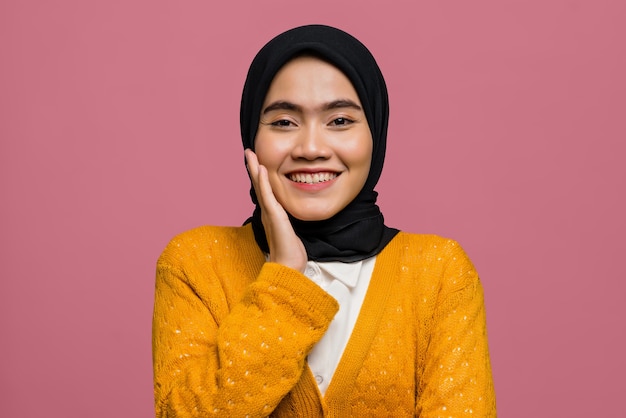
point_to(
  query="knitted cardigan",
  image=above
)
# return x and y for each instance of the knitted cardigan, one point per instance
(231, 333)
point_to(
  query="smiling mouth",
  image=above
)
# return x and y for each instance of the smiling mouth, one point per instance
(312, 178)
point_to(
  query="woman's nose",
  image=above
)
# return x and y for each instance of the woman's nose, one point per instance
(311, 144)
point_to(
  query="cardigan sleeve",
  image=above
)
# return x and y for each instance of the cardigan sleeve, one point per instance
(456, 378)
(242, 363)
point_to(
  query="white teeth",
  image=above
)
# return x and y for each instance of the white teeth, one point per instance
(312, 178)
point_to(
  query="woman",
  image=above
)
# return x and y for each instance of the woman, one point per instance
(314, 307)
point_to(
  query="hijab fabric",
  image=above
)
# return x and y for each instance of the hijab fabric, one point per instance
(358, 231)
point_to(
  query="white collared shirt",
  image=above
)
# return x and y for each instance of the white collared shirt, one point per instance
(347, 283)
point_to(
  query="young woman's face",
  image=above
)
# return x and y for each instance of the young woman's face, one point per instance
(314, 139)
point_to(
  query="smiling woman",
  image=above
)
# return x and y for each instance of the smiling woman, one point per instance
(314, 139)
(315, 307)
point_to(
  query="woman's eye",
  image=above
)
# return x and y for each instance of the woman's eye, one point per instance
(283, 123)
(341, 122)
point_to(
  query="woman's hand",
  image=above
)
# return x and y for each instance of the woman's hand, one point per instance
(285, 246)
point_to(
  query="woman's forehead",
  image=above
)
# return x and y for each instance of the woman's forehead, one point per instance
(309, 80)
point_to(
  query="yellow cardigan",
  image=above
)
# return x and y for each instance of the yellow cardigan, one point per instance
(231, 333)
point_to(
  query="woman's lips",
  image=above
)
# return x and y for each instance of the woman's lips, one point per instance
(312, 178)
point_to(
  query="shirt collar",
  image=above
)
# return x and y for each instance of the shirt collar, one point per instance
(346, 273)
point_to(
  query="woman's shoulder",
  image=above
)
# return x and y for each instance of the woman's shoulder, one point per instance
(427, 243)
(208, 233)
(205, 240)
(432, 249)
(441, 256)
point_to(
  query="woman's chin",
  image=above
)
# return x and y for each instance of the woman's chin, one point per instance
(312, 215)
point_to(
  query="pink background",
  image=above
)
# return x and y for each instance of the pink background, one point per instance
(119, 129)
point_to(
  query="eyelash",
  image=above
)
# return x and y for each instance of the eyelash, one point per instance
(345, 121)
(339, 122)
(282, 123)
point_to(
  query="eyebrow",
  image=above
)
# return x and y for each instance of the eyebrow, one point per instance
(335, 104)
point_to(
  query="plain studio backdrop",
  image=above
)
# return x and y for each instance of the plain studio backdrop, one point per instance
(119, 129)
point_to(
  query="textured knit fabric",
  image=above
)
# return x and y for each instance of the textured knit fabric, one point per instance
(231, 334)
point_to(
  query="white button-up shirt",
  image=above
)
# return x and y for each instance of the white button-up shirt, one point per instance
(347, 283)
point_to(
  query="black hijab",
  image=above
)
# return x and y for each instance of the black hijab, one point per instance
(358, 231)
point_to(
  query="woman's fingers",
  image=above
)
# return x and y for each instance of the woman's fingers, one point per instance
(252, 164)
(262, 187)
(269, 202)
(274, 216)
